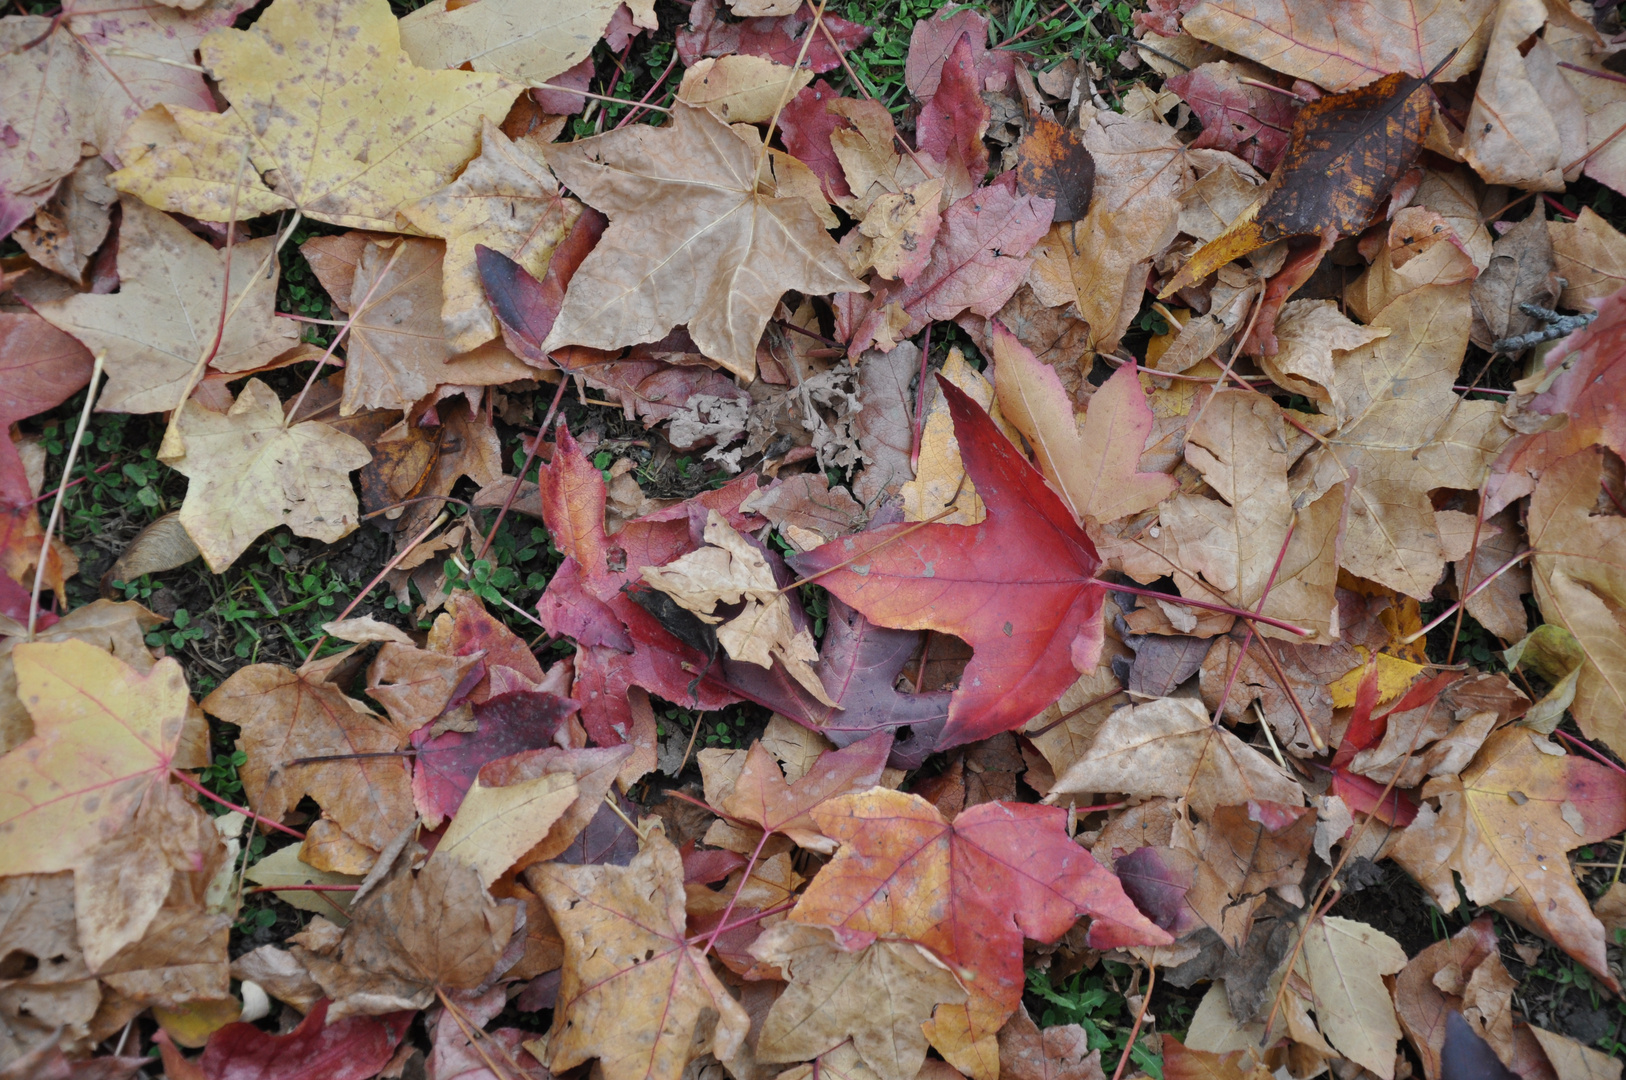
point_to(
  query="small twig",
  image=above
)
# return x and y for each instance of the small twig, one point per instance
(1226, 609)
(245, 811)
(1468, 572)
(745, 879)
(1270, 736)
(1247, 638)
(477, 1039)
(1273, 89)
(343, 330)
(1469, 595)
(633, 113)
(1613, 135)
(391, 565)
(323, 759)
(61, 492)
(609, 800)
(1140, 1016)
(1594, 72)
(600, 97)
(530, 456)
(1066, 716)
(463, 569)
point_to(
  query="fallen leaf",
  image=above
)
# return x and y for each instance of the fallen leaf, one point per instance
(448, 762)
(284, 867)
(1578, 586)
(976, 265)
(1590, 256)
(1521, 271)
(67, 231)
(495, 825)
(762, 796)
(1225, 550)
(79, 80)
(635, 994)
(806, 506)
(1500, 825)
(933, 40)
(507, 37)
(1463, 974)
(342, 129)
(1309, 335)
(1169, 748)
(1341, 47)
(884, 426)
(1053, 163)
(1408, 433)
(1094, 463)
(953, 121)
(1344, 962)
(1580, 382)
(1526, 123)
(902, 872)
(1030, 629)
(411, 935)
(724, 258)
(42, 367)
(898, 231)
(1571, 1058)
(879, 996)
(285, 716)
(592, 770)
(741, 89)
(353, 1048)
(778, 38)
(1247, 120)
(250, 472)
(165, 316)
(508, 201)
(1059, 1052)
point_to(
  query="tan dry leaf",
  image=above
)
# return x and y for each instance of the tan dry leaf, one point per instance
(878, 997)
(496, 825)
(1225, 549)
(1572, 1060)
(1408, 434)
(1574, 41)
(740, 89)
(898, 231)
(940, 480)
(690, 241)
(285, 716)
(1341, 46)
(76, 81)
(1058, 1052)
(284, 867)
(163, 319)
(729, 571)
(1463, 973)
(1580, 584)
(507, 200)
(634, 993)
(1308, 334)
(592, 771)
(1423, 249)
(1526, 122)
(1344, 962)
(884, 425)
(411, 934)
(1168, 747)
(1094, 463)
(869, 155)
(335, 121)
(515, 38)
(66, 232)
(250, 473)
(1500, 827)
(1590, 257)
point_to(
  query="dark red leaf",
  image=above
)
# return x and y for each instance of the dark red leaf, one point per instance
(525, 306)
(508, 723)
(354, 1048)
(805, 124)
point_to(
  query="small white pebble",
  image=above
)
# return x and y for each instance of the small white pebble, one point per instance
(256, 1005)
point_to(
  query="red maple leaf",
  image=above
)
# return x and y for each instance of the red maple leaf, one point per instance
(1019, 587)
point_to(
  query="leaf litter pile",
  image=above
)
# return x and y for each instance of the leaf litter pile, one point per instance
(1055, 475)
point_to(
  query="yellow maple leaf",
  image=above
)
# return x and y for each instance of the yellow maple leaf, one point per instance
(335, 122)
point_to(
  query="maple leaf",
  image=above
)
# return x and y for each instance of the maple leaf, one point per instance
(510, 37)
(968, 891)
(41, 368)
(164, 317)
(1527, 123)
(980, 258)
(508, 201)
(325, 104)
(1342, 46)
(1472, 982)
(285, 716)
(1168, 747)
(1250, 122)
(1582, 380)
(634, 991)
(1095, 464)
(251, 471)
(952, 123)
(1059, 1052)
(352, 1048)
(933, 40)
(1019, 587)
(1579, 586)
(495, 825)
(411, 934)
(1590, 256)
(740, 89)
(761, 795)
(878, 996)
(1407, 434)
(690, 241)
(1344, 963)
(448, 762)
(79, 78)
(1501, 846)
(1225, 550)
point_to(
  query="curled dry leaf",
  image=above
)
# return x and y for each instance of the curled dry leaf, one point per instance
(684, 199)
(251, 471)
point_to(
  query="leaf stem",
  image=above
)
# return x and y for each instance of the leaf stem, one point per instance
(1226, 609)
(301, 888)
(245, 811)
(1140, 1016)
(1573, 741)
(61, 493)
(1469, 595)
